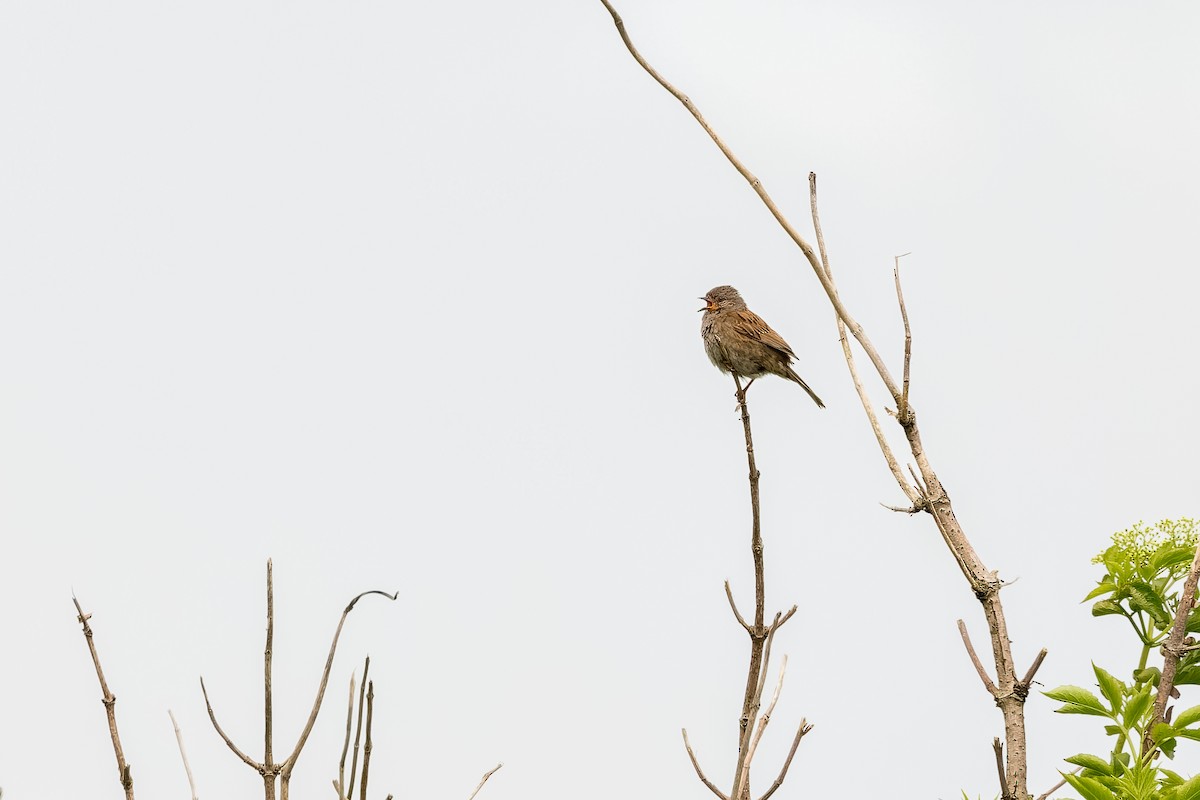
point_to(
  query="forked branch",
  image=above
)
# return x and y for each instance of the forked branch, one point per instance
(1172, 649)
(928, 494)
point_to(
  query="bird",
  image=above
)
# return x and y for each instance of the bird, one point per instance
(739, 341)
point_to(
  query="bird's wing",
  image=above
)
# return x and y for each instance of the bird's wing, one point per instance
(753, 326)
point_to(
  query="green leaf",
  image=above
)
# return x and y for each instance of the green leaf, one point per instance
(1142, 597)
(1113, 730)
(1090, 788)
(1078, 701)
(1188, 790)
(1170, 557)
(1170, 778)
(1113, 689)
(1162, 731)
(1094, 763)
(1137, 707)
(1187, 675)
(1187, 717)
(1104, 587)
(1189, 733)
(1104, 607)
(1168, 747)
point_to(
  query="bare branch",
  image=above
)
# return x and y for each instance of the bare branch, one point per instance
(733, 605)
(999, 750)
(229, 742)
(983, 676)
(369, 746)
(803, 729)
(699, 772)
(1058, 785)
(340, 783)
(1172, 649)
(902, 407)
(290, 764)
(268, 715)
(183, 754)
(765, 719)
(110, 702)
(482, 780)
(1027, 681)
(848, 354)
(362, 699)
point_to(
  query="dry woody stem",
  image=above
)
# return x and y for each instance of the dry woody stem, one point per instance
(761, 638)
(183, 755)
(928, 494)
(110, 702)
(268, 768)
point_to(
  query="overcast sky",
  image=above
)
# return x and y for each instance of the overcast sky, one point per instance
(403, 296)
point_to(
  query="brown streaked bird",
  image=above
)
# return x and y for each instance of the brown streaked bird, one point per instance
(737, 340)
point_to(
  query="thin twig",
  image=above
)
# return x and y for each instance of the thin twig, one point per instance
(803, 729)
(902, 408)
(699, 772)
(1171, 651)
(1027, 681)
(983, 676)
(290, 764)
(362, 700)
(765, 719)
(733, 605)
(484, 779)
(848, 354)
(183, 754)
(1058, 785)
(268, 715)
(340, 783)
(110, 701)
(368, 746)
(250, 762)
(999, 750)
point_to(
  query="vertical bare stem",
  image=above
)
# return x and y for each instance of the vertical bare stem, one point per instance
(902, 406)
(341, 779)
(362, 696)
(1172, 650)
(183, 754)
(267, 713)
(362, 794)
(110, 702)
(758, 632)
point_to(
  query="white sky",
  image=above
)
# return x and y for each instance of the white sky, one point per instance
(403, 296)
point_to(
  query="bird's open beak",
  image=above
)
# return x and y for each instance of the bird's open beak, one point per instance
(708, 305)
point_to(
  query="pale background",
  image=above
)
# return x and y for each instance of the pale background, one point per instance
(403, 296)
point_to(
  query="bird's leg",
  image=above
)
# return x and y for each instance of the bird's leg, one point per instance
(740, 394)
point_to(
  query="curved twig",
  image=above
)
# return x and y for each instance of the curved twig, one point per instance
(250, 762)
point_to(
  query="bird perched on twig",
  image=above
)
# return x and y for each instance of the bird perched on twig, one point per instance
(737, 340)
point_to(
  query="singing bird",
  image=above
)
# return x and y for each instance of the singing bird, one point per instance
(737, 340)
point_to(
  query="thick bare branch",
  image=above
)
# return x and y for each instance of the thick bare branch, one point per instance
(124, 775)
(482, 780)
(183, 754)
(1172, 649)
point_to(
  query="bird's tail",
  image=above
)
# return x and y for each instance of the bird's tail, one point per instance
(791, 373)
